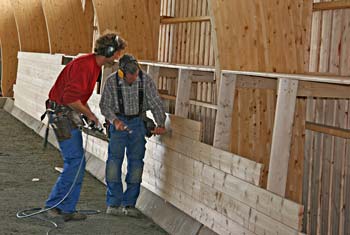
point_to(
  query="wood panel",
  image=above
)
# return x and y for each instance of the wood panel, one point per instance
(327, 156)
(68, 28)
(9, 48)
(136, 21)
(29, 13)
(267, 35)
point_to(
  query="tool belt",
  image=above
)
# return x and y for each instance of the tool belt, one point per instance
(62, 119)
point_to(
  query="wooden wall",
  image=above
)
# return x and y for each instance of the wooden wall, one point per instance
(189, 43)
(31, 26)
(137, 21)
(69, 29)
(9, 48)
(267, 36)
(327, 159)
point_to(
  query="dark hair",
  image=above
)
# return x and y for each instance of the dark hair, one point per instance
(128, 64)
(109, 40)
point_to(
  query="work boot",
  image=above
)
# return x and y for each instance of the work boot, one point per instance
(131, 211)
(75, 216)
(115, 210)
(54, 213)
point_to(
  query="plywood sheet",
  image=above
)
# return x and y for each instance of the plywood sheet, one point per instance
(137, 21)
(27, 14)
(67, 27)
(268, 35)
(9, 48)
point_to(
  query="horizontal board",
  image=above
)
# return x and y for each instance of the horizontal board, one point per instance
(230, 163)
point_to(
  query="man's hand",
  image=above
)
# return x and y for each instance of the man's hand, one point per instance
(119, 125)
(158, 131)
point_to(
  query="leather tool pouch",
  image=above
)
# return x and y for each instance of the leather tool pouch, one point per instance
(64, 121)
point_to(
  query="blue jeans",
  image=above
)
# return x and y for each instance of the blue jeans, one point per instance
(134, 144)
(72, 153)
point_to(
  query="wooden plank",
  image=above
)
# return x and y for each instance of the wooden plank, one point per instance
(341, 120)
(330, 130)
(296, 160)
(168, 72)
(196, 187)
(186, 127)
(316, 89)
(308, 162)
(192, 102)
(222, 134)
(195, 209)
(331, 5)
(154, 73)
(202, 76)
(176, 20)
(281, 137)
(183, 93)
(301, 77)
(327, 169)
(316, 169)
(230, 163)
(44, 58)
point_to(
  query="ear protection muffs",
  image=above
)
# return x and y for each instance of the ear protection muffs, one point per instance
(111, 49)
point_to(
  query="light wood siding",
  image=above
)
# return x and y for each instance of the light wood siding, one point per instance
(326, 189)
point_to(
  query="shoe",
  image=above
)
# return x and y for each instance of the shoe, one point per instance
(75, 216)
(115, 210)
(54, 213)
(131, 211)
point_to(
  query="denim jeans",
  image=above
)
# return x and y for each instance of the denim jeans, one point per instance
(134, 144)
(72, 153)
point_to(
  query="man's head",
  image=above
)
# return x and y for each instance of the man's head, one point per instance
(128, 68)
(110, 45)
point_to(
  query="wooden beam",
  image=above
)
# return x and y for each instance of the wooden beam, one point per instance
(345, 80)
(323, 90)
(193, 102)
(153, 71)
(183, 93)
(329, 130)
(282, 135)
(222, 134)
(323, 6)
(177, 20)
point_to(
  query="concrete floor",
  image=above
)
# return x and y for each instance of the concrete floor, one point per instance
(22, 158)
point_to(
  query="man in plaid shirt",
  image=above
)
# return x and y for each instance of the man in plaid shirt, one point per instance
(120, 104)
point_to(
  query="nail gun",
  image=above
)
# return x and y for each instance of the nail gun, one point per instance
(90, 128)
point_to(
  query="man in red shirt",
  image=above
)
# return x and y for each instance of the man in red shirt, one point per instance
(68, 97)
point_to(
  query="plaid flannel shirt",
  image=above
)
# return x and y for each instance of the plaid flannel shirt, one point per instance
(109, 100)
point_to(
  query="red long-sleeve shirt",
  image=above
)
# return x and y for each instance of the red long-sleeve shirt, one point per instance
(76, 81)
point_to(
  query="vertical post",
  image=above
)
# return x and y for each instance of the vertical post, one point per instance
(153, 71)
(282, 135)
(222, 134)
(183, 93)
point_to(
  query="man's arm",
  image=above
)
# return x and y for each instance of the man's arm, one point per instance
(84, 109)
(107, 104)
(155, 103)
